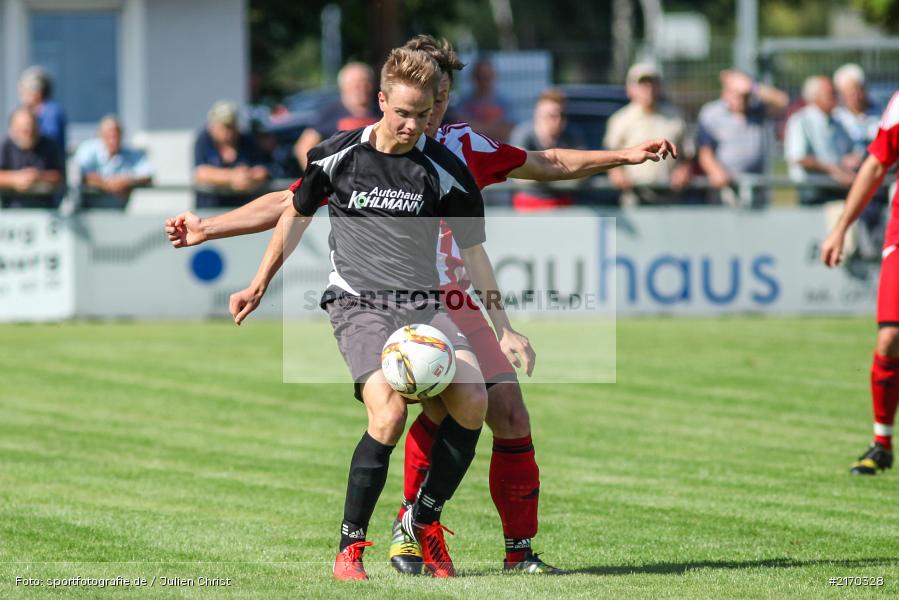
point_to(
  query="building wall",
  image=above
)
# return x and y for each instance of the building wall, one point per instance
(175, 57)
(196, 54)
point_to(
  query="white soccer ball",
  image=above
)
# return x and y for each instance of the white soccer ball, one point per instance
(418, 361)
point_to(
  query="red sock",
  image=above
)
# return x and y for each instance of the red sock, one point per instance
(515, 488)
(885, 396)
(418, 457)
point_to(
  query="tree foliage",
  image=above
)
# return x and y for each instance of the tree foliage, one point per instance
(285, 37)
(881, 12)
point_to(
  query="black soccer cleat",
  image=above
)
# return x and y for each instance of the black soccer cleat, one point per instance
(533, 565)
(405, 552)
(877, 458)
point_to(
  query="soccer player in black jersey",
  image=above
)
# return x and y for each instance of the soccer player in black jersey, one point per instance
(403, 183)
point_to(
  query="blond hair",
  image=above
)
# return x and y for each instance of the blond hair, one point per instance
(438, 49)
(410, 67)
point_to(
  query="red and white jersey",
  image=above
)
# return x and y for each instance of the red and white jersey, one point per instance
(885, 148)
(490, 162)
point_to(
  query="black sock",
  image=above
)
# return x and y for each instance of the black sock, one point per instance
(451, 455)
(368, 473)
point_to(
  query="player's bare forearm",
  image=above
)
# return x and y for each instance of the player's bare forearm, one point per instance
(477, 263)
(557, 164)
(285, 238)
(867, 182)
(261, 214)
(516, 347)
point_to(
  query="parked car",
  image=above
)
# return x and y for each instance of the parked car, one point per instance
(590, 106)
(285, 124)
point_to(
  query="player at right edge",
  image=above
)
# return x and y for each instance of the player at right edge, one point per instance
(883, 152)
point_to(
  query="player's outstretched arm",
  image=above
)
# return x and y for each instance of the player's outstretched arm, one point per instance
(559, 163)
(866, 183)
(287, 234)
(188, 229)
(515, 346)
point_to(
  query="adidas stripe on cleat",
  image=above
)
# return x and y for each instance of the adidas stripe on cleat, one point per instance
(435, 554)
(405, 553)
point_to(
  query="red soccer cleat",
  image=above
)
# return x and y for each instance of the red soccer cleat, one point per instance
(434, 551)
(348, 564)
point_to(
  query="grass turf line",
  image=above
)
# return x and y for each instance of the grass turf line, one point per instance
(715, 467)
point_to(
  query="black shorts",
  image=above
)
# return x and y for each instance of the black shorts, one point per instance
(362, 326)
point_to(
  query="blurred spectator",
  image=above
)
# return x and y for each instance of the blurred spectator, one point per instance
(31, 169)
(227, 159)
(816, 142)
(731, 138)
(855, 113)
(486, 111)
(110, 171)
(356, 82)
(646, 117)
(548, 129)
(35, 89)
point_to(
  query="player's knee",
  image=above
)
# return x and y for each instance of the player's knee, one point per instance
(478, 399)
(507, 415)
(474, 408)
(388, 422)
(435, 411)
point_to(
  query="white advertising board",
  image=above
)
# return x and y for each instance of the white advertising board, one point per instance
(679, 261)
(703, 262)
(127, 268)
(36, 267)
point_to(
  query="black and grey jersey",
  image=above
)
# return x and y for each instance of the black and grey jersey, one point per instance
(403, 197)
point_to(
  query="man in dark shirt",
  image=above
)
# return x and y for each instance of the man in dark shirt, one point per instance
(227, 160)
(354, 109)
(31, 170)
(388, 186)
(548, 129)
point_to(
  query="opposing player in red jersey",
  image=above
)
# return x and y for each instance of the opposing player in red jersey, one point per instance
(883, 152)
(514, 475)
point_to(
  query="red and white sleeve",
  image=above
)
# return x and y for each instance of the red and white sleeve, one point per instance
(488, 160)
(885, 146)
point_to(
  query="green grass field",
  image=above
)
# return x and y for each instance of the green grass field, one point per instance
(715, 468)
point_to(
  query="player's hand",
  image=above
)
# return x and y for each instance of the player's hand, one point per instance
(518, 350)
(654, 150)
(244, 302)
(185, 230)
(832, 248)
